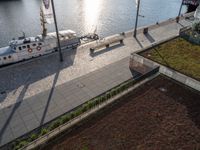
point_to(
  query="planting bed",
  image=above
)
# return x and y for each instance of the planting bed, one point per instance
(162, 114)
(177, 54)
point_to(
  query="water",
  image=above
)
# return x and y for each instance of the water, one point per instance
(82, 16)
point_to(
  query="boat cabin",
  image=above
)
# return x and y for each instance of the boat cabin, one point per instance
(26, 44)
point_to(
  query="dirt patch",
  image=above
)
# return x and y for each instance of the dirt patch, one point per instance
(161, 114)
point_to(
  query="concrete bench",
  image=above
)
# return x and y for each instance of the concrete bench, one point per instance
(107, 44)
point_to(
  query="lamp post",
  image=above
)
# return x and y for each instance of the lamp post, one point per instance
(137, 15)
(59, 47)
(177, 19)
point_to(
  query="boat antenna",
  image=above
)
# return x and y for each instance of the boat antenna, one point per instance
(24, 35)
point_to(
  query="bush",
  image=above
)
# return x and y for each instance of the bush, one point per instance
(78, 112)
(44, 131)
(113, 92)
(72, 115)
(103, 98)
(121, 88)
(108, 95)
(64, 119)
(85, 107)
(21, 144)
(54, 125)
(33, 137)
(97, 101)
(90, 104)
(196, 27)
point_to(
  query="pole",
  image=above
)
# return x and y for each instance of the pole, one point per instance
(136, 22)
(43, 23)
(177, 20)
(59, 47)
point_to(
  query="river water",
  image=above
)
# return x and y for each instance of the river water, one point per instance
(82, 16)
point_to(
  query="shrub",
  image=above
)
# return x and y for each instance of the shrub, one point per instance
(85, 107)
(33, 136)
(64, 119)
(113, 92)
(44, 131)
(54, 125)
(121, 88)
(97, 101)
(72, 115)
(196, 27)
(85, 148)
(21, 144)
(108, 95)
(78, 112)
(118, 90)
(103, 98)
(90, 104)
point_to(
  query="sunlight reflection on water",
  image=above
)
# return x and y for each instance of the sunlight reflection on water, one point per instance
(92, 11)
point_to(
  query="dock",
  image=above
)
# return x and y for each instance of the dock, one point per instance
(35, 92)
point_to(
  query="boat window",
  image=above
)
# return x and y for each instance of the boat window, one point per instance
(28, 46)
(14, 48)
(9, 56)
(4, 58)
(20, 48)
(23, 47)
(34, 45)
(39, 43)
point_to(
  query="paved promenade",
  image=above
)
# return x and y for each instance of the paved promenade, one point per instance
(38, 91)
(38, 76)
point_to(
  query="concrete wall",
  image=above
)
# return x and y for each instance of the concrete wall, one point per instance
(188, 81)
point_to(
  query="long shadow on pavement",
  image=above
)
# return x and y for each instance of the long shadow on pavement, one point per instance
(138, 41)
(50, 96)
(149, 37)
(16, 106)
(13, 77)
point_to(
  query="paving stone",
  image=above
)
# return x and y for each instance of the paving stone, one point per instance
(32, 124)
(15, 122)
(19, 130)
(6, 136)
(39, 114)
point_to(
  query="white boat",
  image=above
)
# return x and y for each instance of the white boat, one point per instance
(29, 47)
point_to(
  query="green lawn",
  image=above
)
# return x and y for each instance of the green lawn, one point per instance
(178, 54)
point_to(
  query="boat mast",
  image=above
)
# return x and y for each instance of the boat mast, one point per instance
(43, 23)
